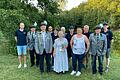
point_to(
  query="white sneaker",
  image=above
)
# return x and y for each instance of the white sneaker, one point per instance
(20, 65)
(78, 73)
(25, 65)
(73, 73)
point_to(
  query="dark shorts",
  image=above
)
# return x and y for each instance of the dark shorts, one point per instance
(108, 53)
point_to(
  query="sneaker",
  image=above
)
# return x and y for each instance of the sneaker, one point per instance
(25, 65)
(20, 65)
(78, 73)
(73, 73)
(106, 70)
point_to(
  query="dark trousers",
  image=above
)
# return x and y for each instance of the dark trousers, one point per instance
(77, 58)
(48, 61)
(32, 57)
(100, 60)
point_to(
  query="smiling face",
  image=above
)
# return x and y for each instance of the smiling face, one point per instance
(43, 28)
(32, 29)
(97, 31)
(60, 34)
(86, 28)
(79, 31)
(50, 28)
(22, 25)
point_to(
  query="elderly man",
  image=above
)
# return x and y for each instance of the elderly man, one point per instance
(43, 46)
(31, 46)
(87, 33)
(98, 46)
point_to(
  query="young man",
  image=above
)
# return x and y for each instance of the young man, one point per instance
(68, 37)
(31, 46)
(43, 47)
(20, 38)
(98, 46)
(109, 36)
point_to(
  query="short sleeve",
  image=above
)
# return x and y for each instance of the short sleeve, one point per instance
(16, 33)
(66, 42)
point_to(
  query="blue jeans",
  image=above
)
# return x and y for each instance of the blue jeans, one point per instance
(100, 60)
(22, 50)
(77, 58)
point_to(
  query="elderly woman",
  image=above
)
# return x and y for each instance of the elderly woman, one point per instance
(79, 49)
(60, 54)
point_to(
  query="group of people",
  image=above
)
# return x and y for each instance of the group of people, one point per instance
(57, 47)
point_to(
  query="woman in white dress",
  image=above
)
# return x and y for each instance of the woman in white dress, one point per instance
(60, 54)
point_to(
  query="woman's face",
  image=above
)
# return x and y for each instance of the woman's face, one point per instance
(60, 34)
(79, 31)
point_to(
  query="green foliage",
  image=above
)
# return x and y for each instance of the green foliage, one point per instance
(116, 42)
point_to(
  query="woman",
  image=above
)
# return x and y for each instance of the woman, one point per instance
(78, 47)
(60, 54)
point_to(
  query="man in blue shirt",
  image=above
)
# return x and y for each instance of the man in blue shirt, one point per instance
(20, 38)
(109, 36)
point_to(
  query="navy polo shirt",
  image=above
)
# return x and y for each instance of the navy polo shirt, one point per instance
(21, 37)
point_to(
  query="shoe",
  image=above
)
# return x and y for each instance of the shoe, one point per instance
(25, 65)
(32, 65)
(78, 73)
(73, 73)
(106, 70)
(20, 65)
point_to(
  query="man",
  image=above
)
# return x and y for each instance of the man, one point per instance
(20, 38)
(87, 33)
(31, 46)
(98, 46)
(68, 37)
(109, 36)
(43, 46)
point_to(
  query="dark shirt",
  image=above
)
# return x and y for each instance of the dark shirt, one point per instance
(21, 37)
(87, 34)
(68, 37)
(54, 37)
(109, 36)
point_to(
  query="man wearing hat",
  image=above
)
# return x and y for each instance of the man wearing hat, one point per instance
(43, 47)
(98, 46)
(109, 36)
(31, 46)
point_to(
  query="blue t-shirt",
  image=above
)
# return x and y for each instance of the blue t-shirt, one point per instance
(21, 37)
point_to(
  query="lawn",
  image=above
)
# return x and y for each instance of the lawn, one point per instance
(9, 71)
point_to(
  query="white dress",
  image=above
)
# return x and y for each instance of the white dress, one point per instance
(60, 58)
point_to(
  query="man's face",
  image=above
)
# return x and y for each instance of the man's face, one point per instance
(32, 29)
(43, 28)
(71, 30)
(86, 29)
(105, 27)
(97, 31)
(22, 25)
(50, 28)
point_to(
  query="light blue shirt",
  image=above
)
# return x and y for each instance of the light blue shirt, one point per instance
(43, 34)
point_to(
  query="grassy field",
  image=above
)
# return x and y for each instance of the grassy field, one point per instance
(9, 71)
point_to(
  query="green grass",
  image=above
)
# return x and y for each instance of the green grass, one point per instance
(9, 71)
